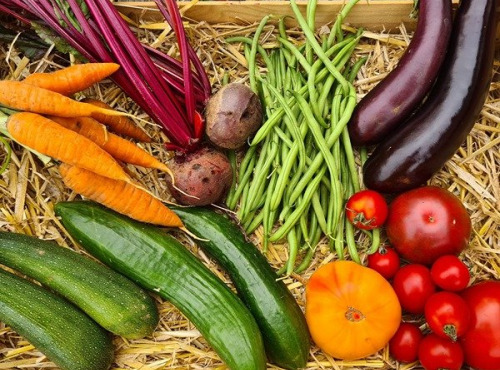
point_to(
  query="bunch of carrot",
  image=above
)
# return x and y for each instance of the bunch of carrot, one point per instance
(47, 120)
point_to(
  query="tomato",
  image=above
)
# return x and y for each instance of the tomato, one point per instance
(436, 353)
(447, 315)
(427, 223)
(481, 343)
(450, 273)
(351, 311)
(403, 346)
(385, 261)
(413, 285)
(366, 209)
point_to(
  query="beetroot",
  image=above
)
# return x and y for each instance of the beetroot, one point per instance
(202, 177)
(232, 115)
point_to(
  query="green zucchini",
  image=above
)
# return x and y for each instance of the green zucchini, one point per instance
(112, 300)
(281, 321)
(66, 335)
(158, 262)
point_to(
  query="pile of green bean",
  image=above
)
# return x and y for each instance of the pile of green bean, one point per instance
(300, 168)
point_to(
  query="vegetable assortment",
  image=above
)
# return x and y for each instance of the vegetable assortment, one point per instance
(297, 181)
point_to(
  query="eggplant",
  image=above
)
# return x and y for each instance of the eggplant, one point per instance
(400, 93)
(436, 130)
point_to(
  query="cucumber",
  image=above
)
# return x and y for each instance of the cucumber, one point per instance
(112, 300)
(66, 335)
(281, 321)
(158, 262)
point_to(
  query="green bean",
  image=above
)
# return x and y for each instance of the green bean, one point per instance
(338, 242)
(231, 155)
(262, 52)
(296, 53)
(317, 48)
(293, 218)
(253, 51)
(375, 241)
(268, 214)
(292, 124)
(244, 178)
(318, 211)
(293, 248)
(350, 159)
(334, 135)
(340, 18)
(311, 15)
(355, 68)
(306, 261)
(253, 222)
(351, 243)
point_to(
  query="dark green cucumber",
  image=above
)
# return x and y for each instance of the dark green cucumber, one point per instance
(281, 321)
(112, 300)
(158, 262)
(66, 335)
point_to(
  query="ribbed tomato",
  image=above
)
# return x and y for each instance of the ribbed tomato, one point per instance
(351, 310)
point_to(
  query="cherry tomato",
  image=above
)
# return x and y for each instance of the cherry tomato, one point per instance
(437, 353)
(447, 315)
(403, 346)
(385, 261)
(427, 223)
(413, 286)
(450, 273)
(366, 209)
(481, 343)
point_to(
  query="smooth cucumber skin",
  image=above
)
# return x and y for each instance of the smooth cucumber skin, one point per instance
(160, 263)
(112, 300)
(281, 321)
(66, 335)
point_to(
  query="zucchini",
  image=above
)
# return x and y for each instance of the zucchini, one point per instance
(281, 321)
(113, 301)
(66, 335)
(158, 262)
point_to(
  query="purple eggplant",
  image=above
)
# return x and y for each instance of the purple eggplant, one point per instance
(434, 133)
(394, 98)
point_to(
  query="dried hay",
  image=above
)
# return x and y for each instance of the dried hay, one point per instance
(29, 190)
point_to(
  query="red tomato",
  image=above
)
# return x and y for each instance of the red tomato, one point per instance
(437, 353)
(447, 315)
(366, 209)
(481, 343)
(403, 346)
(385, 261)
(427, 223)
(450, 273)
(413, 286)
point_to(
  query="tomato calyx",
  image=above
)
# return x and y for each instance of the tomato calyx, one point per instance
(354, 315)
(451, 331)
(360, 218)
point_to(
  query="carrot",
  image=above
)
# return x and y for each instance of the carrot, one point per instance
(119, 124)
(70, 80)
(118, 147)
(49, 138)
(24, 97)
(120, 196)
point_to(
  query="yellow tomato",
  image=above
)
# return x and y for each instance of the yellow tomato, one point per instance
(351, 310)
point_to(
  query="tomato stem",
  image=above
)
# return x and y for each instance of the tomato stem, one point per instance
(451, 331)
(354, 315)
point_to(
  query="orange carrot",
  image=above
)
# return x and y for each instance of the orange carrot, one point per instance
(24, 97)
(118, 147)
(121, 197)
(70, 80)
(120, 125)
(49, 138)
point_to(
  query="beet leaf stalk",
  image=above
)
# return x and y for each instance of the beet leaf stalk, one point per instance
(168, 90)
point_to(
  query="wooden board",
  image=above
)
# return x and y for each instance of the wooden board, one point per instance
(374, 15)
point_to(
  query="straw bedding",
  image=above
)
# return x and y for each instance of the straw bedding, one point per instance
(29, 189)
